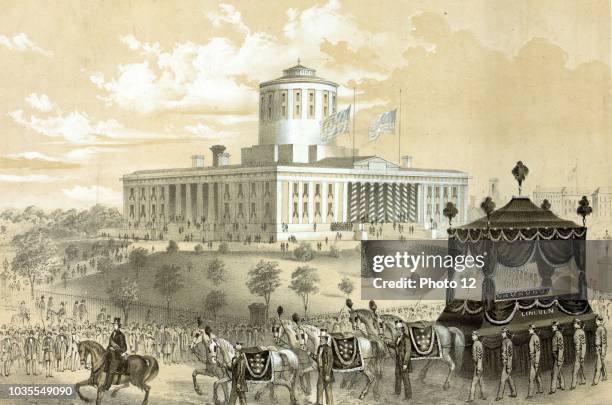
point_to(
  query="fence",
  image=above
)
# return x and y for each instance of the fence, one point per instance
(138, 312)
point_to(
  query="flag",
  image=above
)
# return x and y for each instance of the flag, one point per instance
(336, 124)
(383, 124)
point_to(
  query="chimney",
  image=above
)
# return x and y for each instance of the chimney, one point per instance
(407, 161)
(216, 151)
(197, 161)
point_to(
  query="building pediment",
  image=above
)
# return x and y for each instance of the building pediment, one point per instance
(375, 163)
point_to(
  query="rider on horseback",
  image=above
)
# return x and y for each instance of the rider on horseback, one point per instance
(116, 352)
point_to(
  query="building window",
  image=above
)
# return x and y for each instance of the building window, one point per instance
(317, 189)
(334, 103)
(311, 103)
(240, 193)
(330, 190)
(295, 189)
(267, 190)
(295, 209)
(226, 193)
(253, 189)
(297, 103)
(270, 106)
(226, 213)
(253, 213)
(267, 210)
(284, 104)
(325, 103)
(131, 194)
(304, 209)
(304, 189)
(318, 209)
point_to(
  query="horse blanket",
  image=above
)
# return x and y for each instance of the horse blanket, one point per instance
(346, 353)
(425, 342)
(258, 364)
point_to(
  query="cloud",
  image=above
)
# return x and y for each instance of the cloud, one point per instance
(22, 43)
(40, 102)
(204, 131)
(34, 161)
(75, 127)
(93, 195)
(31, 178)
(221, 75)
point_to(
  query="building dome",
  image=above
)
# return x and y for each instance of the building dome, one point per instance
(292, 106)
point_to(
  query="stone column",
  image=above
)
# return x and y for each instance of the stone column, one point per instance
(199, 202)
(126, 204)
(336, 202)
(300, 206)
(345, 201)
(210, 215)
(464, 193)
(279, 205)
(290, 202)
(188, 205)
(178, 205)
(166, 201)
(311, 199)
(442, 205)
(419, 190)
(324, 202)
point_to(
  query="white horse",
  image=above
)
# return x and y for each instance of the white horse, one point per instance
(284, 363)
(372, 353)
(199, 347)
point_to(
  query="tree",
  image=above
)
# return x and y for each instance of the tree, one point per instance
(450, 212)
(545, 205)
(31, 261)
(346, 286)
(304, 252)
(223, 248)
(488, 206)
(104, 265)
(216, 271)
(520, 172)
(168, 281)
(199, 249)
(65, 277)
(263, 280)
(304, 282)
(124, 292)
(584, 209)
(71, 252)
(172, 247)
(214, 301)
(138, 258)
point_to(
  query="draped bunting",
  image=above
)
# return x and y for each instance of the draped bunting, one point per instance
(502, 312)
(515, 234)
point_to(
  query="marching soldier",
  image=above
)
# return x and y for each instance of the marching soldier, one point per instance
(534, 362)
(506, 355)
(558, 349)
(403, 364)
(324, 359)
(477, 354)
(30, 349)
(601, 346)
(239, 386)
(580, 352)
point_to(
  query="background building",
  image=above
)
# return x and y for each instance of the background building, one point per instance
(292, 183)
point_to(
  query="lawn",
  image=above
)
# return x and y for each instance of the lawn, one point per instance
(330, 270)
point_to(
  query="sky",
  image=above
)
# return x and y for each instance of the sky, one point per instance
(94, 90)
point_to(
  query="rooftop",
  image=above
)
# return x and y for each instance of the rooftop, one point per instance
(298, 73)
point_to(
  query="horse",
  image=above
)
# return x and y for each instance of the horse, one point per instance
(211, 369)
(283, 361)
(372, 353)
(449, 337)
(141, 370)
(299, 344)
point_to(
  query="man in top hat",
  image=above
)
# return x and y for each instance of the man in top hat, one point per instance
(601, 346)
(30, 352)
(325, 380)
(558, 349)
(580, 352)
(477, 354)
(506, 355)
(403, 364)
(534, 362)
(239, 385)
(115, 352)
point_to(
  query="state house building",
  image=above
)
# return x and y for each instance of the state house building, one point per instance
(292, 182)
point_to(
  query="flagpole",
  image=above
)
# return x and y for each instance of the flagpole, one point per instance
(399, 134)
(354, 113)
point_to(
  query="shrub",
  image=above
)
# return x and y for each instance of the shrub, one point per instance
(199, 249)
(223, 248)
(172, 247)
(304, 252)
(334, 251)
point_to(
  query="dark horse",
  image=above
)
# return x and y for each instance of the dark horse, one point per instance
(140, 371)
